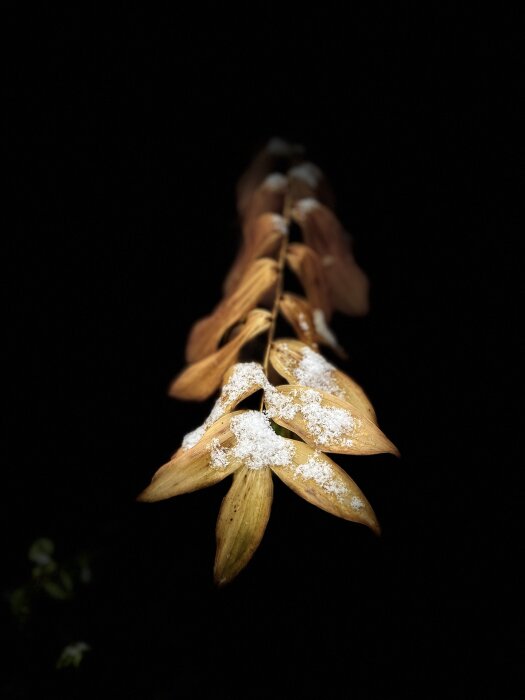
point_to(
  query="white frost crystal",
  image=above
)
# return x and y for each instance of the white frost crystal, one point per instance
(320, 472)
(316, 372)
(256, 444)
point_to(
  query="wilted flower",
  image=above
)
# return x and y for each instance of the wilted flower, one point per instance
(320, 410)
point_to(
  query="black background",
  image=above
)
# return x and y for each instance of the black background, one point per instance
(126, 133)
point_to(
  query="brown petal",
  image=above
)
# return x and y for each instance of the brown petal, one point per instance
(265, 237)
(319, 480)
(308, 181)
(207, 333)
(201, 379)
(265, 162)
(242, 521)
(305, 322)
(298, 312)
(324, 233)
(190, 470)
(326, 422)
(308, 267)
(290, 358)
(267, 198)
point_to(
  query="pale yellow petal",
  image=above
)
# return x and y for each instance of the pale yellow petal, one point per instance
(326, 422)
(206, 334)
(190, 470)
(242, 521)
(291, 358)
(308, 267)
(201, 379)
(320, 481)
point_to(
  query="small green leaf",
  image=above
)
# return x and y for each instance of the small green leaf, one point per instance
(41, 551)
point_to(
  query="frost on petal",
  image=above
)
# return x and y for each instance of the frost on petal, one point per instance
(320, 481)
(194, 469)
(255, 443)
(299, 364)
(327, 422)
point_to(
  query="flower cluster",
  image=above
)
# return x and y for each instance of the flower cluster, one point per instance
(308, 406)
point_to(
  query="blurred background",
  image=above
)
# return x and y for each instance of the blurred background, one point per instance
(127, 131)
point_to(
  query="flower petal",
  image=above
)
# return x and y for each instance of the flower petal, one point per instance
(267, 198)
(298, 312)
(322, 482)
(306, 322)
(243, 517)
(265, 161)
(199, 380)
(324, 233)
(299, 364)
(326, 422)
(307, 265)
(190, 470)
(207, 333)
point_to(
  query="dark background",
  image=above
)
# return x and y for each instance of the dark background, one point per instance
(126, 133)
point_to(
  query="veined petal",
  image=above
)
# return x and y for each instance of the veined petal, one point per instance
(324, 233)
(319, 480)
(264, 239)
(243, 517)
(326, 422)
(207, 333)
(308, 267)
(195, 468)
(306, 322)
(299, 364)
(298, 312)
(199, 380)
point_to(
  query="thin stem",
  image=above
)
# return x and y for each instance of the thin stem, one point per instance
(281, 262)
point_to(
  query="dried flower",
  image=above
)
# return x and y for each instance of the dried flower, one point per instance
(321, 409)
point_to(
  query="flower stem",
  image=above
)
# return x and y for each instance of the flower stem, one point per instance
(281, 262)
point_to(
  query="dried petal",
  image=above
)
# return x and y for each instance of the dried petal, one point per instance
(207, 333)
(308, 181)
(319, 480)
(199, 380)
(192, 469)
(299, 364)
(324, 233)
(308, 267)
(326, 422)
(243, 517)
(298, 312)
(306, 323)
(265, 237)
(267, 198)
(264, 163)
